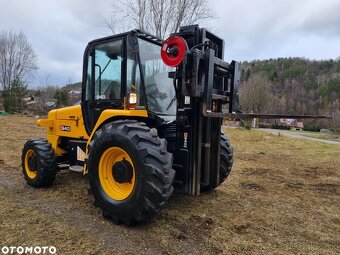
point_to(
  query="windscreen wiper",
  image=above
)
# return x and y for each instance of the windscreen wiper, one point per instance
(171, 102)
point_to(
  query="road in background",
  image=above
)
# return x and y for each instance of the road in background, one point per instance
(297, 135)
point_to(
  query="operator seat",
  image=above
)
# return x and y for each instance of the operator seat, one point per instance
(113, 91)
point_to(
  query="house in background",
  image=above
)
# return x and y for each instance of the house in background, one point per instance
(294, 124)
(74, 96)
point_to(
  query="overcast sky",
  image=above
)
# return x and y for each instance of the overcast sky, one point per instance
(252, 29)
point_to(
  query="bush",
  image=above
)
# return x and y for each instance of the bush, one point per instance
(279, 126)
(314, 128)
(246, 124)
(264, 125)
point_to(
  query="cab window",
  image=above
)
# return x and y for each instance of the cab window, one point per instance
(108, 70)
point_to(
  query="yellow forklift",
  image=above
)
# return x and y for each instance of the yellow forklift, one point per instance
(149, 122)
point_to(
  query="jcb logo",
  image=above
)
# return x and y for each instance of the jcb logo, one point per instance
(65, 128)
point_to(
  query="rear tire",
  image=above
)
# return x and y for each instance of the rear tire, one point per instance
(226, 162)
(39, 163)
(147, 189)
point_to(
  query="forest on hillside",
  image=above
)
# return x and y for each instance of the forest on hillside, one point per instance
(292, 86)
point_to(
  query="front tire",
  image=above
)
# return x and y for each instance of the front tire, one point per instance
(39, 163)
(226, 163)
(130, 171)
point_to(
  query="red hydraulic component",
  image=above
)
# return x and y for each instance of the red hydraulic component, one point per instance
(173, 50)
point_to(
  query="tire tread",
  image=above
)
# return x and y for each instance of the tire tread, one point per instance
(158, 174)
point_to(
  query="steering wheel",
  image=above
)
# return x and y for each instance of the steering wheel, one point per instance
(154, 94)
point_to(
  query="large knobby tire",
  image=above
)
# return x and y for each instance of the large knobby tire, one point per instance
(144, 183)
(227, 158)
(226, 163)
(39, 163)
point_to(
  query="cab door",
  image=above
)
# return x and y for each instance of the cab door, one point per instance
(103, 80)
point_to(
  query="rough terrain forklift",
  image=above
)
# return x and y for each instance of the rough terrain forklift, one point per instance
(149, 122)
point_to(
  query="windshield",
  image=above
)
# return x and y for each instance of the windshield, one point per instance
(160, 91)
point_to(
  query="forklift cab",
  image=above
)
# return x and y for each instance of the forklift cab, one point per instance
(116, 67)
(184, 102)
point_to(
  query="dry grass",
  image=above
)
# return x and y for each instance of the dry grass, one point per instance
(281, 198)
(325, 136)
(14, 132)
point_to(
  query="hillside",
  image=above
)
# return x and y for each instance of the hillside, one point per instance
(298, 85)
(73, 86)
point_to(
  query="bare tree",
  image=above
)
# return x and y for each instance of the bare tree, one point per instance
(255, 94)
(18, 60)
(160, 17)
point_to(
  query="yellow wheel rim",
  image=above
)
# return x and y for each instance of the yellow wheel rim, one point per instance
(115, 190)
(31, 171)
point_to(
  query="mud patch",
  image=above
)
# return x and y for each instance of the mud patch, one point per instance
(250, 171)
(199, 221)
(241, 229)
(195, 224)
(252, 186)
(326, 188)
(197, 230)
(294, 186)
(336, 221)
(312, 172)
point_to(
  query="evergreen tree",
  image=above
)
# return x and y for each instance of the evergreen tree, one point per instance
(61, 96)
(14, 97)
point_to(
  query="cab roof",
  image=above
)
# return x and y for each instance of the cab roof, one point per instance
(136, 32)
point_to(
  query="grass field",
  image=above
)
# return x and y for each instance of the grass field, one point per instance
(281, 198)
(319, 135)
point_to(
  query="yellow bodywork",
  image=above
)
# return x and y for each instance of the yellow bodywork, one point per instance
(64, 122)
(69, 122)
